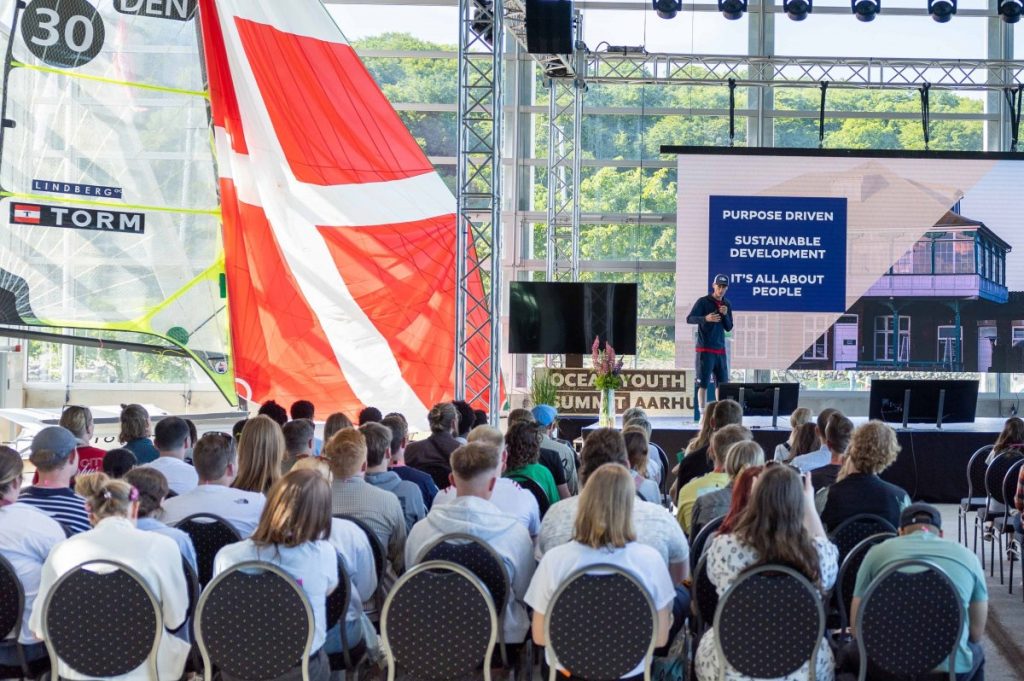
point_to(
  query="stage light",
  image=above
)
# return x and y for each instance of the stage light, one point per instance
(942, 10)
(482, 20)
(865, 10)
(1011, 10)
(797, 10)
(667, 9)
(732, 9)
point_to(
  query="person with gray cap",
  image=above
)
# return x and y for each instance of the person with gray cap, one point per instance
(920, 538)
(713, 316)
(55, 456)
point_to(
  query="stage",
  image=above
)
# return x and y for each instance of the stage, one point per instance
(931, 465)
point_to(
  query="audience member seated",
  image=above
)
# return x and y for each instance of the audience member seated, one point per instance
(1018, 502)
(806, 442)
(299, 441)
(697, 461)
(117, 462)
(378, 456)
(79, 421)
(837, 438)
(603, 533)
(721, 441)
(153, 488)
(399, 428)
(304, 409)
(635, 416)
(507, 495)
(547, 457)
(292, 534)
(260, 455)
(738, 458)
(1011, 438)
(370, 415)
(53, 455)
(466, 420)
(523, 443)
(655, 526)
(920, 538)
(546, 417)
(216, 462)
(27, 535)
(431, 455)
(742, 486)
(236, 430)
(274, 411)
(113, 507)
(479, 418)
(784, 451)
(193, 436)
(352, 544)
(778, 526)
(172, 440)
(808, 460)
(136, 429)
(858, 489)
(636, 450)
(476, 469)
(351, 495)
(335, 422)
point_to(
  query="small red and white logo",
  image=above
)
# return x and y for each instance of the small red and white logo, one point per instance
(26, 213)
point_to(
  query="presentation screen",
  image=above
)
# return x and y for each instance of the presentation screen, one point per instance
(909, 261)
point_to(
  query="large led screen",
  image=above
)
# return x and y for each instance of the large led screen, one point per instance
(867, 261)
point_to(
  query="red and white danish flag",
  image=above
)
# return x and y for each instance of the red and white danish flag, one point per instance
(26, 213)
(339, 235)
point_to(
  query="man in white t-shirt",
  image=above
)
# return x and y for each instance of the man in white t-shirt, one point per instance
(171, 438)
(216, 463)
(507, 494)
(476, 469)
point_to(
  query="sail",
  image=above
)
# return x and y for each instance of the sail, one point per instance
(339, 235)
(109, 214)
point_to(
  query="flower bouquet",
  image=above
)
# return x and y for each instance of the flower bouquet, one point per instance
(607, 378)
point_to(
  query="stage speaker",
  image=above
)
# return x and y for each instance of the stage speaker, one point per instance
(549, 27)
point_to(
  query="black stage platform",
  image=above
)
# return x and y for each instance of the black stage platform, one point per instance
(931, 465)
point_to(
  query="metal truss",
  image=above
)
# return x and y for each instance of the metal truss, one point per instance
(682, 69)
(478, 196)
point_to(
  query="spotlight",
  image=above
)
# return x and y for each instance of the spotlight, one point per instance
(482, 20)
(1010, 10)
(667, 9)
(865, 10)
(797, 10)
(732, 9)
(942, 10)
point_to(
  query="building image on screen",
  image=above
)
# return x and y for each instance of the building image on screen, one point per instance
(866, 262)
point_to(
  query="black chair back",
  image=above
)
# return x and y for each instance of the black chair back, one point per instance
(1009, 485)
(704, 595)
(909, 620)
(847, 579)
(476, 555)
(856, 529)
(748, 634)
(101, 619)
(12, 601)
(996, 473)
(209, 533)
(254, 622)
(531, 486)
(600, 624)
(380, 556)
(700, 542)
(439, 643)
(666, 469)
(337, 608)
(976, 471)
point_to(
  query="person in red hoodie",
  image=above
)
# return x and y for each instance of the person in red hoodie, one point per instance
(79, 421)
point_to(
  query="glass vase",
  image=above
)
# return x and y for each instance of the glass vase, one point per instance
(606, 409)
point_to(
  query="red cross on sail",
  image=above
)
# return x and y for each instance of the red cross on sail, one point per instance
(339, 235)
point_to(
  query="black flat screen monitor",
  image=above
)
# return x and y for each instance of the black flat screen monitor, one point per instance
(759, 398)
(959, 405)
(563, 318)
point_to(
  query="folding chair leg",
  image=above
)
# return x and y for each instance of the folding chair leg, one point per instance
(976, 542)
(961, 526)
(1000, 540)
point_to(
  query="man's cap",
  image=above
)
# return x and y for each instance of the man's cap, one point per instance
(721, 280)
(544, 414)
(920, 514)
(51, 445)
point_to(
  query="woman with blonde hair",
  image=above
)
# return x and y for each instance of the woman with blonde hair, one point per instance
(604, 533)
(113, 507)
(260, 455)
(292, 534)
(858, 489)
(799, 417)
(779, 526)
(79, 421)
(136, 430)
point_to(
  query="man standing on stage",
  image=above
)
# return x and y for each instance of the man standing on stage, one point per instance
(713, 316)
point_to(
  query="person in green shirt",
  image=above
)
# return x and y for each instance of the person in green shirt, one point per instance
(721, 441)
(523, 444)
